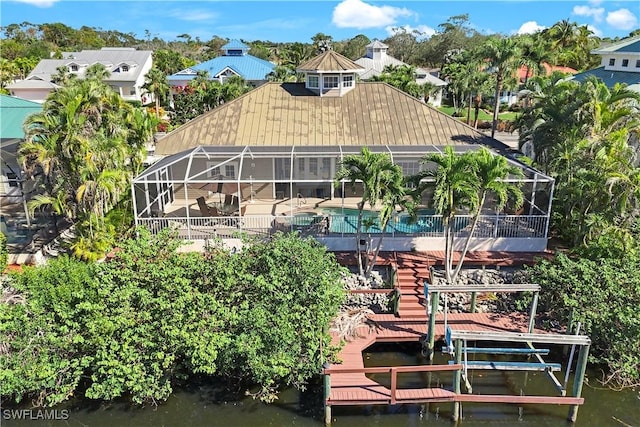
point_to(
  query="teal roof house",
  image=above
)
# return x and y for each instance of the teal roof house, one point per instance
(620, 64)
(235, 61)
(13, 112)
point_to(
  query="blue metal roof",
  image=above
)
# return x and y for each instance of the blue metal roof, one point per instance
(13, 112)
(247, 66)
(235, 45)
(610, 77)
(633, 47)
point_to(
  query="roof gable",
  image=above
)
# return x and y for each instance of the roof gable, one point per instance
(629, 45)
(329, 61)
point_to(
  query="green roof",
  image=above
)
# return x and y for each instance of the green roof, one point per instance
(13, 112)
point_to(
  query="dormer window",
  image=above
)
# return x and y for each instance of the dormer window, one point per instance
(313, 82)
(347, 81)
(612, 62)
(73, 68)
(125, 68)
(330, 82)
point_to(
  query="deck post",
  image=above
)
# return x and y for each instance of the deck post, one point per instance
(327, 392)
(431, 332)
(578, 380)
(532, 314)
(474, 295)
(456, 378)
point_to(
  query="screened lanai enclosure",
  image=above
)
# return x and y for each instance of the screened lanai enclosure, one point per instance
(226, 192)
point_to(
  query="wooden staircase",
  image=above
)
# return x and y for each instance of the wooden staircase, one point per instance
(411, 273)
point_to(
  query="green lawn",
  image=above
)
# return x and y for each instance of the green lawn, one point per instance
(485, 116)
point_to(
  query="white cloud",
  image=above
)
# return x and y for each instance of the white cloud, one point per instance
(39, 3)
(358, 14)
(595, 30)
(595, 2)
(193, 15)
(424, 30)
(596, 12)
(530, 27)
(622, 19)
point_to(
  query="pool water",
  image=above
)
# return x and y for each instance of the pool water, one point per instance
(345, 220)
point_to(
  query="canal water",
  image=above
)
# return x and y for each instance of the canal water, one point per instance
(204, 404)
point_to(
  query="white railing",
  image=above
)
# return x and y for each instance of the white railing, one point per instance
(489, 226)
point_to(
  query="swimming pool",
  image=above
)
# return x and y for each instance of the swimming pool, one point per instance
(345, 220)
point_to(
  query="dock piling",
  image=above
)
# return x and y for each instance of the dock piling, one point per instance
(327, 392)
(578, 380)
(431, 332)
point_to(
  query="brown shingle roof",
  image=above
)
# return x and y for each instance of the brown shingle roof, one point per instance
(329, 61)
(287, 114)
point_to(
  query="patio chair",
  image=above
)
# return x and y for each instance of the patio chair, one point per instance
(205, 209)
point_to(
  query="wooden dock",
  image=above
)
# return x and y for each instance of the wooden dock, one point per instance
(347, 383)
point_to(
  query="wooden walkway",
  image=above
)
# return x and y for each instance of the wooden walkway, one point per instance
(347, 381)
(349, 384)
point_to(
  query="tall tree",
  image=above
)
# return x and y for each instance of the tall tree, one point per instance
(371, 172)
(156, 84)
(502, 56)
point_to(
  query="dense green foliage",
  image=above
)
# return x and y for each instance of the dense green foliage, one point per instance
(584, 135)
(82, 150)
(151, 316)
(602, 295)
(3, 252)
(46, 347)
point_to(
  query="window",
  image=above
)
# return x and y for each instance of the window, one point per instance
(313, 166)
(74, 68)
(330, 81)
(227, 171)
(347, 81)
(625, 62)
(612, 62)
(637, 63)
(13, 179)
(313, 81)
(125, 68)
(408, 167)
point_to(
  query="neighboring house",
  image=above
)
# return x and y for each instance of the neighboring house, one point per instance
(525, 73)
(235, 61)
(128, 68)
(376, 59)
(276, 150)
(13, 112)
(620, 64)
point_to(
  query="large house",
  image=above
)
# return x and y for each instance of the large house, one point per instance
(376, 59)
(235, 61)
(266, 161)
(620, 63)
(128, 68)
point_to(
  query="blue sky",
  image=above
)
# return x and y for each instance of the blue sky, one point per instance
(288, 21)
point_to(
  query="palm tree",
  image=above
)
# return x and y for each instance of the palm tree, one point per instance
(97, 71)
(454, 189)
(502, 56)
(156, 84)
(372, 171)
(490, 173)
(394, 196)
